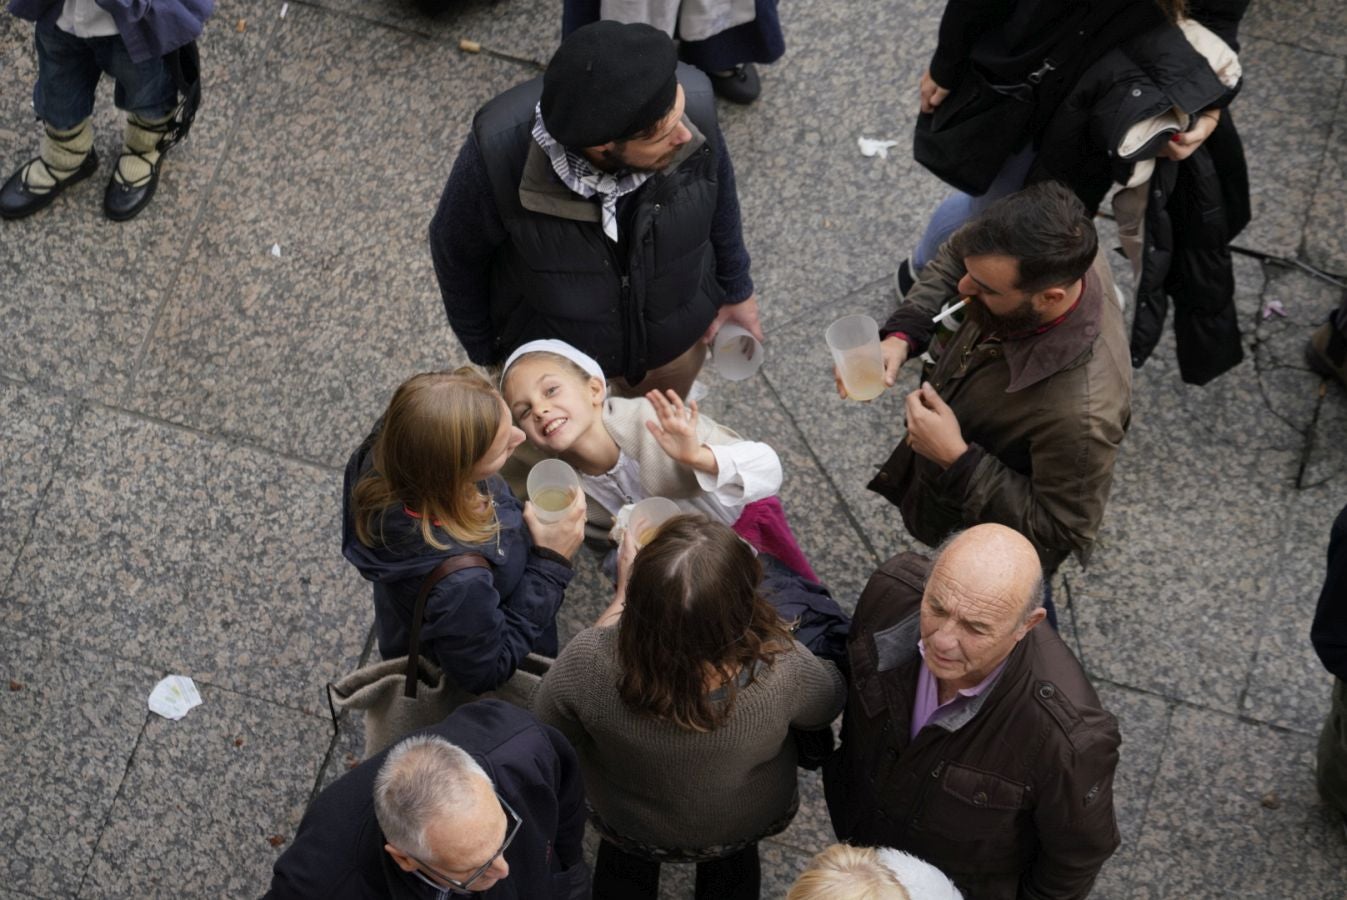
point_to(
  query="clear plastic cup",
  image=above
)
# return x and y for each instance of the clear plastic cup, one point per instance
(854, 342)
(646, 518)
(735, 353)
(551, 486)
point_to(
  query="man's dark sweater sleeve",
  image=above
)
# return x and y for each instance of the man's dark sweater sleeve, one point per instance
(465, 231)
(727, 232)
(1329, 631)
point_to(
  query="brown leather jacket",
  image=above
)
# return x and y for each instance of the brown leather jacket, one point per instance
(1043, 417)
(1011, 796)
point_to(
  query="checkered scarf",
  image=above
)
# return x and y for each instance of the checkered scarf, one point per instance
(577, 174)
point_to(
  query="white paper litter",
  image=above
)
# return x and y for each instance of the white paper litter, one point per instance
(276, 250)
(875, 147)
(173, 697)
(698, 392)
(285, 8)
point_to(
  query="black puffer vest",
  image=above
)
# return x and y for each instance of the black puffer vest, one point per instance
(632, 305)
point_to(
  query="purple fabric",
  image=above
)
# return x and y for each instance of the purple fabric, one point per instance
(763, 524)
(927, 702)
(150, 28)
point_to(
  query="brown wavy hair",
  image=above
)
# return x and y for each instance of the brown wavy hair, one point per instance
(1173, 9)
(437, 427)
(694, 615)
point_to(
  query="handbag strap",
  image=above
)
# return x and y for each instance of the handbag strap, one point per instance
(443, 570)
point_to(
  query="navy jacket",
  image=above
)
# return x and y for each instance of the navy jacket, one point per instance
(149, 28)
(338, 852)
(479, 623)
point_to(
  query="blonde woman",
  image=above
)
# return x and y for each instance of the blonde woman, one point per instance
(871, 873)
(424, 487)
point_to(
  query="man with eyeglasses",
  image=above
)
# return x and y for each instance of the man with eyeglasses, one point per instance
(489, 803)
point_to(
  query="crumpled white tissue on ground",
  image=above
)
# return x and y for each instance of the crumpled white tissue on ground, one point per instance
(173, 697)
(875, 147)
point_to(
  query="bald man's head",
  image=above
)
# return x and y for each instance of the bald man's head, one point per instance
(983, 595)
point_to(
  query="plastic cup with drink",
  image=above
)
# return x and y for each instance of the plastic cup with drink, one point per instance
(648, 516)
(551, 486)
(854, 342)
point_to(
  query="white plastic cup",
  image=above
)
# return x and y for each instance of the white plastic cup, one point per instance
(551, 486)
(854, 342)
(646, 518)
(736, 353)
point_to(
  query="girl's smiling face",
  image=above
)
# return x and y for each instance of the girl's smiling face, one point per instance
(551, 402)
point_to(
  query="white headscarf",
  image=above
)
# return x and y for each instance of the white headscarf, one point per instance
(559, 348)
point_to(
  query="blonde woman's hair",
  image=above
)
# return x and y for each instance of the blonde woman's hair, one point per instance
(847, 873)
(438, 426)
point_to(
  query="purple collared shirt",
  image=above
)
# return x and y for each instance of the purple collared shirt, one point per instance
(927, 702)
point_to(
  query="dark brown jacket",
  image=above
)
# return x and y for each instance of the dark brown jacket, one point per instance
(1043, 417)
(1011, 796)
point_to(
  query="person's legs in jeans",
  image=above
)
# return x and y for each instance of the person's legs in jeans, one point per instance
(619, 875)
(145, 91)
(959, 207)
(63, 97)
(735, 877)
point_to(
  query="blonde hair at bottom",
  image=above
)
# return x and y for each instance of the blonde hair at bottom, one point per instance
(843, 872)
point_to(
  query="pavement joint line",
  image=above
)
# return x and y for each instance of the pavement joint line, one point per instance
(827, 476)
(1155, 776)
(76, 414)
(1174, 701)
(803, 314)
(203, 206)
(218, 437)
(1333, 127)
(121, 786)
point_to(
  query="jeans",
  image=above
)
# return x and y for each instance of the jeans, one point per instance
(959, 207)
(622, 876)
(68, 69)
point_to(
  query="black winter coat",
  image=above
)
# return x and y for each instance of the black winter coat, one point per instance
(338, 852)
(1194, 209)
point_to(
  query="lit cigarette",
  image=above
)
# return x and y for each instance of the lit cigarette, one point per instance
(945, 314)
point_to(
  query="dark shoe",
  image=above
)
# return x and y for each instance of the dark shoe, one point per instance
(1326, 351)
(740, 85)
(902, 279)
(123, 201)
(16, 201)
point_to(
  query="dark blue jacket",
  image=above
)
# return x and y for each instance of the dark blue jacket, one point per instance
(479, 623)
(338, 852)
(149, 28)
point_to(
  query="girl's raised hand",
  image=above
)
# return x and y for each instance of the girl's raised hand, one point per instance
(676, 431)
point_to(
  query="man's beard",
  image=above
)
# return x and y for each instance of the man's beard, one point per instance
(1021, 320)
(611, 160)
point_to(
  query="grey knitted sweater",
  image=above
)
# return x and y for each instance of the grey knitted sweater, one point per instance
(652, 782)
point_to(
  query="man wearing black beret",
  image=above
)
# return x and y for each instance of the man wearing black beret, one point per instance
(597, 205)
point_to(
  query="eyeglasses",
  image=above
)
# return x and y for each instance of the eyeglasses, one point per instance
(514, 823)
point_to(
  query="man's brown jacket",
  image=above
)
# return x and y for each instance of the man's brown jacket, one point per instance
(1043, 417)
(1011, 794)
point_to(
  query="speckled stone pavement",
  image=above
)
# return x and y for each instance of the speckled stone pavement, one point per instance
(176, 401)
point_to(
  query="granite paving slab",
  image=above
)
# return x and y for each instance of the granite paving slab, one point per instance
(1288, 686)
(1310, 24)
(812, 830)
(91, 287)
(1235, 813)
(189, 554)
(224, 787)
(1143, 721)
(35, 432)
(72, 719)
(1160, 607)
(849, 439)
(1284, 115)
(1325, 243)
(300, 352)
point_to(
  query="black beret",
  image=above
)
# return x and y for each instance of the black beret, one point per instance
(608, 81)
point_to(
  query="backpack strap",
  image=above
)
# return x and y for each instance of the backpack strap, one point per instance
(443, 570)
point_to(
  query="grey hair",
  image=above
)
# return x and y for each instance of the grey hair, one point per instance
(422, 779)
(1032, 603)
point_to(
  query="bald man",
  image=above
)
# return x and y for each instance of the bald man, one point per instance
(972, 738)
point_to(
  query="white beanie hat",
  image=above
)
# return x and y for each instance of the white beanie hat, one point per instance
(559, 348)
